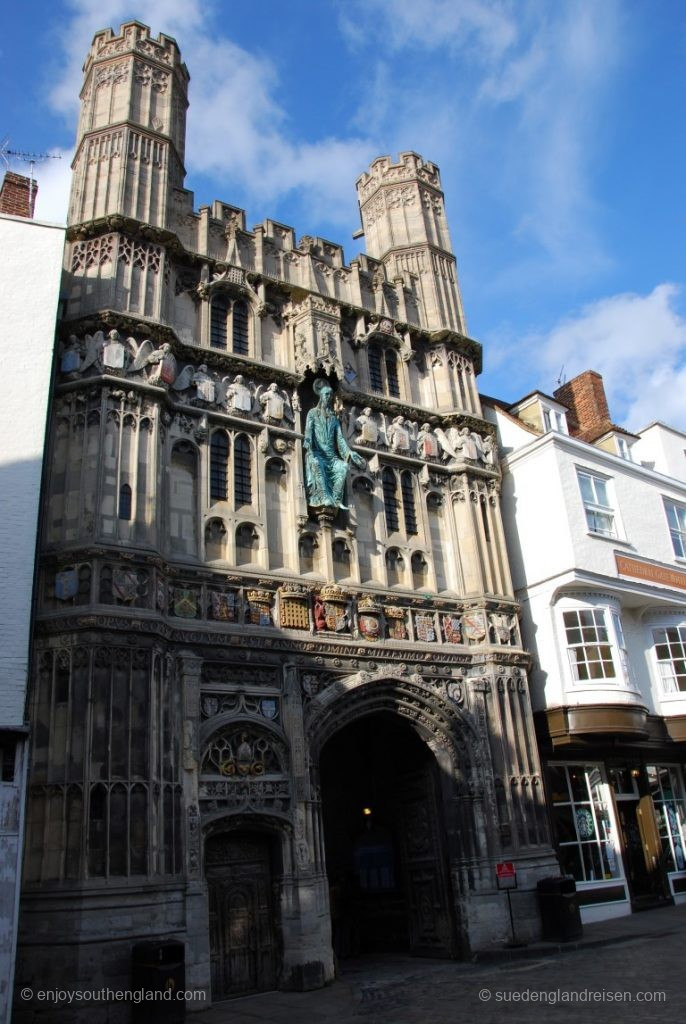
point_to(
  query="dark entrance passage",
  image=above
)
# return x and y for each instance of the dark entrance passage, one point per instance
(385, 844)
(242, 942)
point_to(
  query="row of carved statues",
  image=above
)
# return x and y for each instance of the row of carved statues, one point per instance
(159, 366)
(272, 404)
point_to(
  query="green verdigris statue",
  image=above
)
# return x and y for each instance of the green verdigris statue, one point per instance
(327, 453)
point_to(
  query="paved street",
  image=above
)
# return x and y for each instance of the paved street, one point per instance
(632, 970)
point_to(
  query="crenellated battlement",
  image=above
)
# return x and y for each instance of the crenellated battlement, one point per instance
(383, 171)
(134, 37)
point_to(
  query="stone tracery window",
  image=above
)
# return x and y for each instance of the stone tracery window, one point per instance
(384, 377)
(242, 471)
(243, 751)
(409, 511)
(125, 502)
(104, 802)
(390, 500)
(230, 319)
(239, 328)
(219, 466)
(219, 315)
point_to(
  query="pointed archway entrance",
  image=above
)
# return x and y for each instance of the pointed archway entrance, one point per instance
(385, 840)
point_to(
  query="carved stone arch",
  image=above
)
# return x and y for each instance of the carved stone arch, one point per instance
(275, 465)
(218, 722)
(276, 824)
(363, 481)
(446, 729)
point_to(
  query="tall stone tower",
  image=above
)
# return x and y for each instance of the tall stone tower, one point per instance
(273, 585)
(405, 228)
(131, 134)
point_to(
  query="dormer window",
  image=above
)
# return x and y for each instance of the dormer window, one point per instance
(553, 419)
(623, 449)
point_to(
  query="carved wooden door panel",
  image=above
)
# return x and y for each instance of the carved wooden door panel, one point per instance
(424, 864)
(242, 946)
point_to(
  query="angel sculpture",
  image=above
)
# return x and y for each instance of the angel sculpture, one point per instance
(113, 354)
(485, 448)
(427, 445)
(235, 395)
(367, 427)
(94, 345)
(398, 435)
(205, 389)
(457, 444)
(275, 404)
(161, 359)
(70, 355)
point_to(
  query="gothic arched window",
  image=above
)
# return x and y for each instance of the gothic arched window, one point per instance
(390, 500)
(124, 502)
(239, 328)
(375, 374)
(219, 466)
(219, 314)
(242, 471)
(392, 378)
(409, 513)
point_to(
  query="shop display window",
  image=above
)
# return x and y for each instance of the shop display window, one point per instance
(666, 789)
(582, 822)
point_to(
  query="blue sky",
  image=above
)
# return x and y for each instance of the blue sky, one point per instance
(558, 128)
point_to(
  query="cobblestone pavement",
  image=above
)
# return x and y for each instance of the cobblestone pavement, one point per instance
(631, 970)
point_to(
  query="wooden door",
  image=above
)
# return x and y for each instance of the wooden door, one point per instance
(424, 865)
(242, 946)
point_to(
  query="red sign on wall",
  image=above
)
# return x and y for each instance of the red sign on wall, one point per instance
(506, 875)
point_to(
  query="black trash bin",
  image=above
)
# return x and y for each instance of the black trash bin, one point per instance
(559, 904)
(158, 973)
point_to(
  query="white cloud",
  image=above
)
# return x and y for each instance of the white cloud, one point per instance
(521, 86)
(54, 178)
(636, 342)
(237, 128)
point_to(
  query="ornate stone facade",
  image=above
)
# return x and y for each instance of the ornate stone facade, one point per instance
(202, 631)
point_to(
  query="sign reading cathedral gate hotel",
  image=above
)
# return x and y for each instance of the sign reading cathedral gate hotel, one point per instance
(652, 573)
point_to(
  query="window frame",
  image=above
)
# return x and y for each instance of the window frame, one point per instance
(660, 674)
(548, 415)
(613, 642)
(595, 507)
(680, 531)
(383, 381)
(608, 836)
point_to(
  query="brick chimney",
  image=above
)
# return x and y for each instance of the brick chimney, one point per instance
(17, 195)
(584, 396)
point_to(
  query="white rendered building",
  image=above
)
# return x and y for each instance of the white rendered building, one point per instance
(595, 520)
(31, 265)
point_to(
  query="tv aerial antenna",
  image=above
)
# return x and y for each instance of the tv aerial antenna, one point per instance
(29, 158)
(562, 377)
